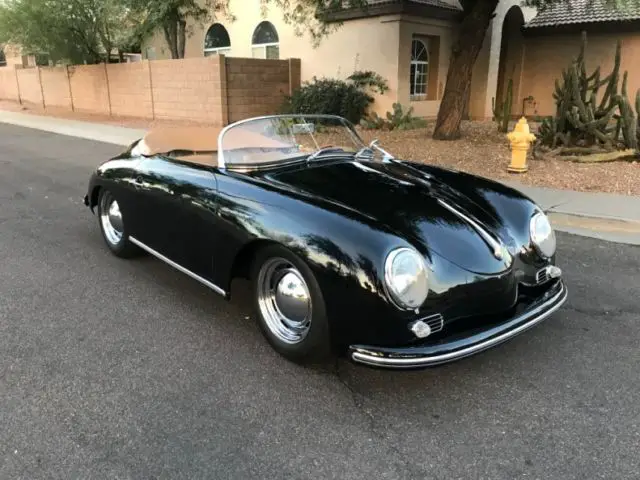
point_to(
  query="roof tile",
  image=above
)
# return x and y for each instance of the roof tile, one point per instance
(449, 5)
(583, 11)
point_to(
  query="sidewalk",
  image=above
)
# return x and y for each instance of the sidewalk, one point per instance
(74, 128)
(605, 216)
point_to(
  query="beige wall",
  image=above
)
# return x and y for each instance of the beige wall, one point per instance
(365, 44)
(29, 80)
(190, 91)
(8, 84)
(439, 36)
(381, 44)
(547, 56)
(130, 89)
(484, 84)
(55, 87)
(89, 87)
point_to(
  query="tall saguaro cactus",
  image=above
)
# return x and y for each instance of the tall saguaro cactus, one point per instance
(580, 118)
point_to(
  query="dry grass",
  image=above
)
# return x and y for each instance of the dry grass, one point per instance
(482, 150)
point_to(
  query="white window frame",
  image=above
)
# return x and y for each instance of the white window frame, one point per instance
(421, 67)
(217, 50)
(262, 47)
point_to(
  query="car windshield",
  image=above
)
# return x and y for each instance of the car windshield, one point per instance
(279, 139)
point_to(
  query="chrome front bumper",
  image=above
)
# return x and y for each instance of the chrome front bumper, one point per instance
(449, 351)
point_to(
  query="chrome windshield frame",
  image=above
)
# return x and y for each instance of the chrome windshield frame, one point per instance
(247, 167)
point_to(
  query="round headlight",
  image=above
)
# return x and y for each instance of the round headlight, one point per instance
(543, 237)
(406, 278)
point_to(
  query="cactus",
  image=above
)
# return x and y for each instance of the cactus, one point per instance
(396, 120)
(638, 117)
(627, 121)
(580, 118)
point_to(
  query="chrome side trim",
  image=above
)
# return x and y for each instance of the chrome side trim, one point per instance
(539, 314)
(178, 267)
(495, 245)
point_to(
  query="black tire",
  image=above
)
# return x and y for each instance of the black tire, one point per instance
(315, 347)
(122, 246)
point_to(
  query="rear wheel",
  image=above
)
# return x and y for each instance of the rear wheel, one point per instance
(112, 225)
(290, 306)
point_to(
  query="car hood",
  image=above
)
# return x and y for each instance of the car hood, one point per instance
(408, 202)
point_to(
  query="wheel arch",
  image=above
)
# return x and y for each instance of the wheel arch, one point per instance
(241, 266)
(95, 195)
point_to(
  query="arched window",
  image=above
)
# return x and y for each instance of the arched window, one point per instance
(419, 68)
(265, 42)
(217, 40)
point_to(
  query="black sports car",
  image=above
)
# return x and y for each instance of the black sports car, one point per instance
(400, 264)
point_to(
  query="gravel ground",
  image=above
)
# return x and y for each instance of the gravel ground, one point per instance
(482, 151)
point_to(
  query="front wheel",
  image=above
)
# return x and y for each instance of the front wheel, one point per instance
(113, 227)
(290, 306)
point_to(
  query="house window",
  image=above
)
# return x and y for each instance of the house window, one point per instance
(217, 40)
(419, 68)
(265, 42)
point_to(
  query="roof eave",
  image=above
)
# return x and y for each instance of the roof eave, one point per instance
(393, 8)
(600, 26)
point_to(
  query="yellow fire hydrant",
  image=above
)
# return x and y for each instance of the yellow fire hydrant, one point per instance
(521, 139)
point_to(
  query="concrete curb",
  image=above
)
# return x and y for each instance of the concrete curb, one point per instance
(603, 228)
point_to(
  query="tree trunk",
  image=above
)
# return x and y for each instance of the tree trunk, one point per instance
(182, 37)
(465, 51)
(170, 34)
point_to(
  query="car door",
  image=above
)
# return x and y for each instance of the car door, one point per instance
(178, 208)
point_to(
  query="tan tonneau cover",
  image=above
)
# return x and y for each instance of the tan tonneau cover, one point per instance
(203, 139)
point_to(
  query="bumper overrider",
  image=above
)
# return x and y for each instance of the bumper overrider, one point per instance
(449, 350)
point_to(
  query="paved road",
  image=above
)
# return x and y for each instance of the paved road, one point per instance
(128, 369)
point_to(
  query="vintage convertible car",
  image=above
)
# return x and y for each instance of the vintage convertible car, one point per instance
(349, 250)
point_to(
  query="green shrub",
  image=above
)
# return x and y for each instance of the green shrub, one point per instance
(396, 120)
(369, 79)
(349, 99)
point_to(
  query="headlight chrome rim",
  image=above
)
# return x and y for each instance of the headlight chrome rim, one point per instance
(392, 294)
(539, 244)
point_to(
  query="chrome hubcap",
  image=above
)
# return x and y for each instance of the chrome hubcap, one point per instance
(284, 300)
(111, 219)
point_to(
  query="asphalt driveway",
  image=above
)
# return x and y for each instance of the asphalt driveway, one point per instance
(128, 369)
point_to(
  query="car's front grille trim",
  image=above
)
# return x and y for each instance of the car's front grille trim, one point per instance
(435, 322)
(542, 276)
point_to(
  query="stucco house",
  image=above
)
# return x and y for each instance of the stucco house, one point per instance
(12, 55)
(552, 39)
(408, 42)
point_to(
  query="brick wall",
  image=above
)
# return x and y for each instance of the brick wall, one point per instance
(55, 87)
(130, 89)
(30, 90)
(255, 87)
(188, 91)
(215, 90)
(8, 84)
(89, 88)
